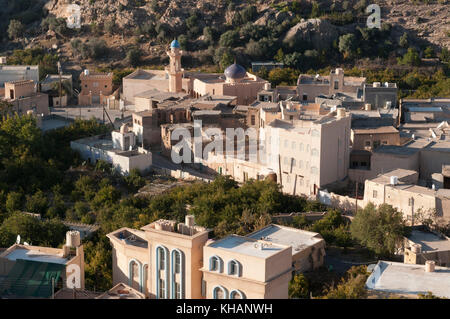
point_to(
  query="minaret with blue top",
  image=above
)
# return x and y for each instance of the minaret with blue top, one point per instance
(175, 71)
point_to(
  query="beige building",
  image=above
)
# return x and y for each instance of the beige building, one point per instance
(23, 97)
(393, 278)
(95, 88)
(239, 267)
(307, 154)
(309, 87)
(308, 248)
(235, 81)
(423, 245)
(399, 188)
(371, 138)
(170, 260)
(162, 260)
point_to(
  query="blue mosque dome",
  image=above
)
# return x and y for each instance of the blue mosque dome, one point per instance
(174, 44)
(235, 71)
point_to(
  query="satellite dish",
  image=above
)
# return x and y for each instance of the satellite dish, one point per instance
(26, 244)
(18, 240)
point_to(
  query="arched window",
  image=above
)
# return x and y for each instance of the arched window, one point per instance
(220, 292)
(135, 274)
(162, 273)
(237, 294)
(177, 271)
(314, 152)
(234, 268)
(215, 264)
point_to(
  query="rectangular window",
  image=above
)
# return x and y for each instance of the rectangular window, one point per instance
(336, 85)
(253, 121)
(305, 97)
(374, 194)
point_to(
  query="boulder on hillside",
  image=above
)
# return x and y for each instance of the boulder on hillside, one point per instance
(320, 33)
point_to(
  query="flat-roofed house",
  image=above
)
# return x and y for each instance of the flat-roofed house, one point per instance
(27, 271)
(23, 97)
(162, 260)
(237, 267)
(409, 280)
(422, 245)
(308, 248)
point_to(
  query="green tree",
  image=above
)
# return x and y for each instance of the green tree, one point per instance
(105, 196)
(37, 203)
(379, 229)
(347, 44)
(299, 287)
(403, 42)
(229, 39)
(411, 58)
(134, 57)
(351, 287)
(14, 202)
(15, 29)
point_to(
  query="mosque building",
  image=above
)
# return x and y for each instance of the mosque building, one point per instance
(235, 81)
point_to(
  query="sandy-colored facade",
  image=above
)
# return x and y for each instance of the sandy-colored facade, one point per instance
(23, 97)
(243, 85)
(309, 87)
(422, 245)
(399, 188)
(370, 138)
(170, 260)
(95, 88)
(239, 267)
(162, 260)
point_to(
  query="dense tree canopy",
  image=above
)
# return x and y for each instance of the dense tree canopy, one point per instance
(379, 229)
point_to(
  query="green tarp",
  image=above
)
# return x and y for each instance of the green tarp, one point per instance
(31, 279)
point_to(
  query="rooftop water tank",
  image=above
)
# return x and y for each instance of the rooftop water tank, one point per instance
(73, 238)
(189, 220)
(429, 266)
(394, 180)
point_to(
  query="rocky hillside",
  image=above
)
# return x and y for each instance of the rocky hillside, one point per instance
(129, 32)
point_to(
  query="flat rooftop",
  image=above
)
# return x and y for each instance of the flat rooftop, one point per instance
(131, 237)
(141, 74)
(35, 255)
(296, 238)
(429, 241)
(407, 149)
(376, 130)
(247, 246)
(403, 278)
